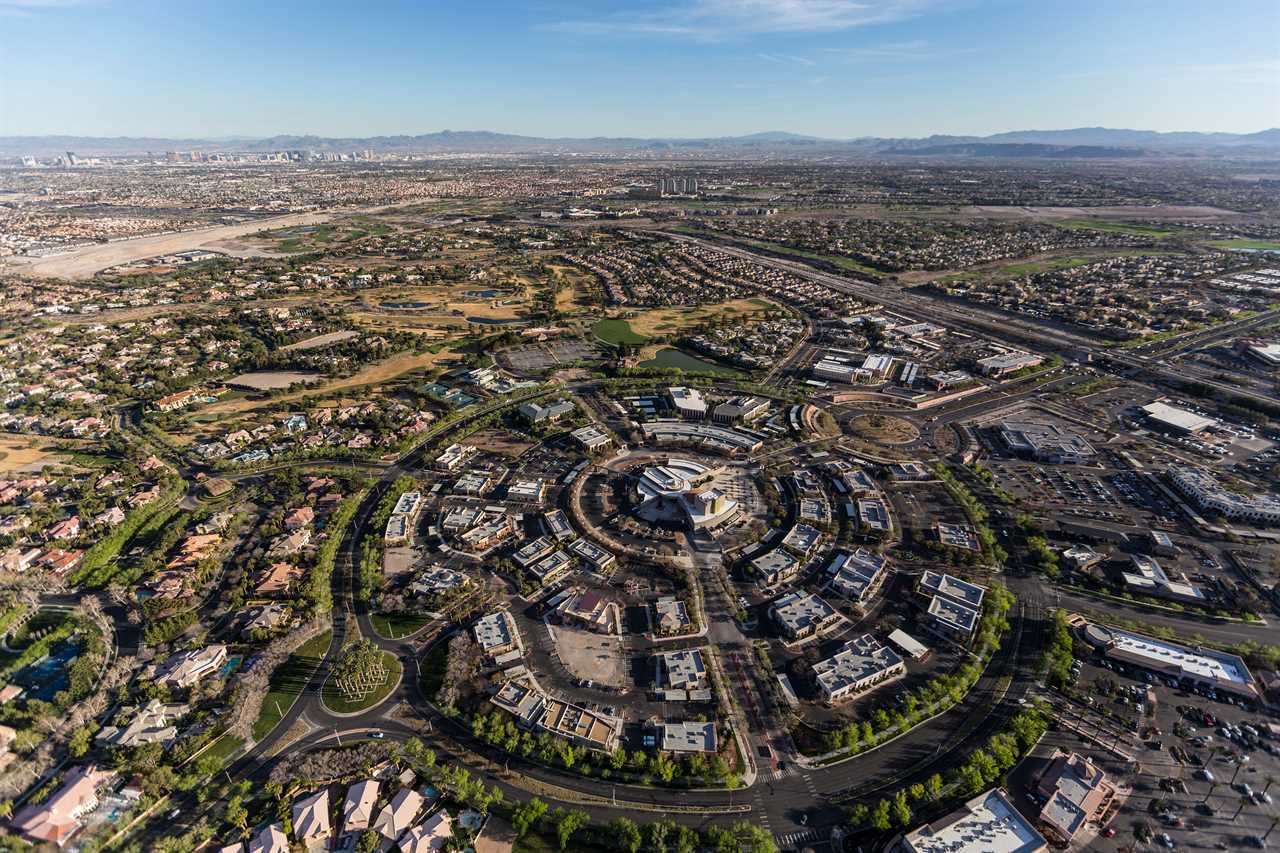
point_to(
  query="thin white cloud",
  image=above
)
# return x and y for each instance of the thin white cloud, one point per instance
(903, 51)
(713, 19)
(27, 8)
(785, 59)
(1264, 71)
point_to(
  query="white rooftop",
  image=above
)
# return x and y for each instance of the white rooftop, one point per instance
(1205, 664)
(986, 824)
(1180, 418)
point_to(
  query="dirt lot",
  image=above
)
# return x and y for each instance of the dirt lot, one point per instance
(84, 262)
(591, 656)
(501, 442)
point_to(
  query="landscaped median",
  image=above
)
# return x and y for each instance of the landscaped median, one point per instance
(288, 680)
(398, 625)
(361, 679)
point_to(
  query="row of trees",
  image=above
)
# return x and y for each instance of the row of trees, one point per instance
(626, 835)
(936, 694)
(974, 510)
(984, 768)
(369, 574)
(500, 730)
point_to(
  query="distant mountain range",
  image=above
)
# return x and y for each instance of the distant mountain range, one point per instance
(1084, 142)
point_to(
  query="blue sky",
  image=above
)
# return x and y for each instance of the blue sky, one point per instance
(836, 68)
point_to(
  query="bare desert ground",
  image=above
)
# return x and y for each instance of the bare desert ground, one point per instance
(84, 262)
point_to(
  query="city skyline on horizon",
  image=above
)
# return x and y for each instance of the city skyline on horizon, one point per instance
(833, 69)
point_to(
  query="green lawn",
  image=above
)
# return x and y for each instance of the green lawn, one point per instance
(617, 332)
(1245, 243)
(336, 702)
(287, 682)
(433, 666)
(1116, 227)
(393, 626)
(223, 748)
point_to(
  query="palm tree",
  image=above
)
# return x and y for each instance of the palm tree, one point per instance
(1244, 801)
(1270, 781)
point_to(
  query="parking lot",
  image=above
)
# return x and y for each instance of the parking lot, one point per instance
(535, 358)
(1202, 763)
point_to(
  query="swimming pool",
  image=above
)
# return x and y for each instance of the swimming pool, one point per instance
(45, 677)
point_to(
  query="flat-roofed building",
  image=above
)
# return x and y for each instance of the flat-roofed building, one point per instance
(687, 737)
(954, 605)
(591, 438)
(671, 616)
(877, 365)
(522, 698)
(857, 576)
(530, 552)
(711, 437)
(909, 645)
(452, 457)
(497, 634)
(988, 823)
(857, 483)
(960, 536)
(591, 610)
(909, 472)
(461, 517)
(739, 410)
(874, 513)
(689, 403)
(839, 371)
(802, 539)
(592, 554)
(1075, 791)
(682, 670)
(551, 568)
(803, 615)
(396, 531)
(1210, 495)
(1199, 667)
(581, 726)
(1005, 363)
(473, 483)
(1148, 577)
(558, 524)
(1046, 442)
(1162, 543)
(493, 528)
(1176, 420)
(857, 667)
(775, 567)
(531, 489)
